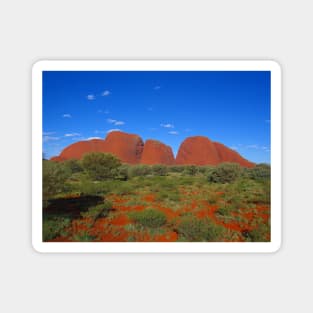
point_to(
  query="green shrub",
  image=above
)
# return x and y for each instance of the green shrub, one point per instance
(123, 172)
(101, 166)
(100, 210)
(139, 170)
(176, 168)
(94, 188)
(194, 229)
(148, 218)
(225, 173)
(73, 165)
(83, 236)
(54, 227)
(159, 169)
(260, 172)
(190, 170)
(54, 176)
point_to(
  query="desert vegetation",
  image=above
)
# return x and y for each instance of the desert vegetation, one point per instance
(99, 198)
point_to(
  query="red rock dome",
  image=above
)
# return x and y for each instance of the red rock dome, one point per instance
(127, 147)
(156, 152)
(78, 149)
(197, 150)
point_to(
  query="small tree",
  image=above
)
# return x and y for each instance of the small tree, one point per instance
(101, 166)
(73, 165)
(54, 176)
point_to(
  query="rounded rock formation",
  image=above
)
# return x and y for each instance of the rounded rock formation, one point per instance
(156, 152)
(197, 150)
(127, 147)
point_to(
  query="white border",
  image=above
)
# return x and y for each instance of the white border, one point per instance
(156, 247)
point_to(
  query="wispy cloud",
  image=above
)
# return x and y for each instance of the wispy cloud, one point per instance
(152, 128)
(91, 138)
(105, 93)
(115, 122)
(72, 135)
(173, 132)
(113, 130)
(187, 130)
(66, 115)
(91, 97)
(157, 87)
(267, 121)
(252, 146)
(150, 109)
(48, 133)
(167, 125)
(119, 123)
(49, 138)
(104, 111)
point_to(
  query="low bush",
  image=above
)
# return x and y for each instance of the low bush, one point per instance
(193, 229)
(100, 210)
(260, 172)
(139, 170)
(150, 218)
(54, 227)
(225, 173)
(160, 170)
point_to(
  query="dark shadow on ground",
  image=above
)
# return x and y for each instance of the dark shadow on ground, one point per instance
(70, 207)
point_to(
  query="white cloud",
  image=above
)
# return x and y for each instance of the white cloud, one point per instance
(115, 122)
(234, 148)
(91, 97)
(105, 93)
(173, 132)
(111, 121)
(113, 130)
(72, 135)
(67, 115)
(167, 125)
(157, 87)
(119, 123)
(49, 138)
(91, 138)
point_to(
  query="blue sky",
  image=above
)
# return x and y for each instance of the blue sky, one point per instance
(229, 107)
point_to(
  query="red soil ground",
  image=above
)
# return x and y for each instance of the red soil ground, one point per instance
(112, 228)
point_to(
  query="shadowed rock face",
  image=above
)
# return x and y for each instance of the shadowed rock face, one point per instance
(197, 150)
(130, 148)
(156, 152)
(127, 147)
(229, 155)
